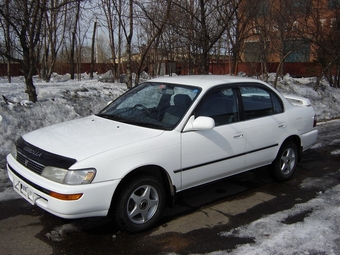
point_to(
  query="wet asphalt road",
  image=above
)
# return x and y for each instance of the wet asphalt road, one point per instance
(191, 226)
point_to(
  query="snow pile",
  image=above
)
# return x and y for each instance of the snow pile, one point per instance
(326, 100)
(317, 233)
(60, 100)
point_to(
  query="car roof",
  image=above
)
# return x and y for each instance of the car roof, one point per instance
(204, 81)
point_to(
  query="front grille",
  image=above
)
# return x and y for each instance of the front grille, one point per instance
(35, 159)
(30, 164)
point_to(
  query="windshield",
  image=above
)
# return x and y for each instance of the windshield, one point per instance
(151, 104)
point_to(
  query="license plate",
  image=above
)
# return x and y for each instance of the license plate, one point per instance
(24, 190)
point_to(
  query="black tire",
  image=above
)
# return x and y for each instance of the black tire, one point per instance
(286, 161)
(140, 204)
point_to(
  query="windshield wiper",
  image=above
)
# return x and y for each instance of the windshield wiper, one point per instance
(110, 116)
(132, 122)
(145, 124)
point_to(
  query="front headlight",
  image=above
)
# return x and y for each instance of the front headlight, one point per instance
(71, 177)
(54, 173)
(83, 176)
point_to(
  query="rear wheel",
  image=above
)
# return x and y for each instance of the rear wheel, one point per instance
(140, 204)
(286, 161)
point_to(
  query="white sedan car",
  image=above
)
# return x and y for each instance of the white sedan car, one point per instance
(163, 136)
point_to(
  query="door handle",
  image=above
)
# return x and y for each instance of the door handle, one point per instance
(238, 136)
(282, 125)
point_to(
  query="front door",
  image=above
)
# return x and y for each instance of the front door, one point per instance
(213, 154)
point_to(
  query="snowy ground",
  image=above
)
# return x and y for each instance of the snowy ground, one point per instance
(63, 99)
(319, 233)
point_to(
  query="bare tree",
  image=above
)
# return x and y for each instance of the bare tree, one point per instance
(8, 40)
(129, 35)
(153, 18)
(323, 33)
(286, 38)
(74, 38)
(25, 19)
(109, 7)
(263, 43)
(92, 49)
(242, 26)
(74, 47)
(276, 33)
(54, 30)
(203, 23)
(126, 22)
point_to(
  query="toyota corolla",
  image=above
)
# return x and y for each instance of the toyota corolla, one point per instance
(163, 136)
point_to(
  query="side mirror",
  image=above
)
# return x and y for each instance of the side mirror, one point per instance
(200, 123)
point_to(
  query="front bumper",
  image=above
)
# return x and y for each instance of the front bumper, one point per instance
(95, 200)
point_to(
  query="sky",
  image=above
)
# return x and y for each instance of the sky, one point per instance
(63, 99)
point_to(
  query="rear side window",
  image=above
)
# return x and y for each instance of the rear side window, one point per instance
(259, 102)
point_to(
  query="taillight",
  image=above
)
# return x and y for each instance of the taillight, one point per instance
(315, 121)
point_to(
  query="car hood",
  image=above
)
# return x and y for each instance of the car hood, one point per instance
(86, 137)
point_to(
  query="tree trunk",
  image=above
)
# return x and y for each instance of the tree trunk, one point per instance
(28, 68)
(233, 63)
(128, 67)
(205, 40)
(8, 43)
(128, 47)
(92, 49)
(30, 89)
(74, 32)
(9, 78)
(72, 57)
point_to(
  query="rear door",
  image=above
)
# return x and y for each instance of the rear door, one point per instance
(265, 124)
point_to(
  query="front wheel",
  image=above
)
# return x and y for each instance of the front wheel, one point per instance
(286, 161)
(140, 204)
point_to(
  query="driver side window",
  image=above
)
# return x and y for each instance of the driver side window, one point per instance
(221, 105)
